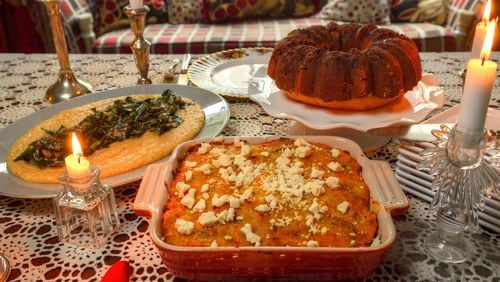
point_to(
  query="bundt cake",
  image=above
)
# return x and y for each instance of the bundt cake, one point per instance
(345, 67)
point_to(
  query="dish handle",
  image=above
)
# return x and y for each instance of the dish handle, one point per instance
(387, 188)
(149, 198)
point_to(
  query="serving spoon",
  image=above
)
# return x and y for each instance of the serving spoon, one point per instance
(4, 268)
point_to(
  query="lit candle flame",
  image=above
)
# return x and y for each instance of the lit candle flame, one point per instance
(488, 41)
(77, 148)
(487, 11)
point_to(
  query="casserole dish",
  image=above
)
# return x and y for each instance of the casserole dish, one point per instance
(296, 263)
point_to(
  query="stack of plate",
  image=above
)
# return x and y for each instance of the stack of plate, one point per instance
(418, 182)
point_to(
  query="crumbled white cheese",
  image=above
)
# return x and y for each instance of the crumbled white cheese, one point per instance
(228, 237)
(205, 196)
(200, 206)
(281, 161)
(334, 166)
(191, 164)
(188, 200)
(264, 153)
(300, 142)
(216, 152)
(239, 217)
(237, 142)
(272, 201)
(188, 175)
(334, 153)
(342, 207)
(184, 226)
(303, 152)
(204, 188)
(317, 210)
(332, 182)
(240, 161)
(309, 220)
(262, 208)
(205, 168)
(181, 188)
(223, 160)
(234, 202)
(249, 235)
(204, 148)
(227, 173)
(312, 244)
(286, 153)
(281, 222)
(219, 201)
(245, 150)
(207, 218)
(316, 173)
(219, 138)
(226, 216)
(246, 195)
(214, 244)
(314, 187)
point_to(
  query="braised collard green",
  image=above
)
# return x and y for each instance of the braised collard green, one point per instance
(124, 119)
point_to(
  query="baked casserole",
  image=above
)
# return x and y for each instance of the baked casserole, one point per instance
(281, 192)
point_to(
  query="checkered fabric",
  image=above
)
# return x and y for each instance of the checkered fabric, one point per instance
(204, 38)
(70, 10)
(458, 6)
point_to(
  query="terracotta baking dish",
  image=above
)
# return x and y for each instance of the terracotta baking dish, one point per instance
(295, 263)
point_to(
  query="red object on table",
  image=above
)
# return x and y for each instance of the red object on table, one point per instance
(118, 272)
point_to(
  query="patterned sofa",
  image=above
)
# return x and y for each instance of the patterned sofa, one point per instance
(177, 38)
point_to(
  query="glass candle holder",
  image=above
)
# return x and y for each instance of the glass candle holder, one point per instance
(461, 181)
(85, 211)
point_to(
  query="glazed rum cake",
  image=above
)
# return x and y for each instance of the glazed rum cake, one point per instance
(278, 193)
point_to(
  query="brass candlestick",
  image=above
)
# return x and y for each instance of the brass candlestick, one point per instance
(140, 46)
(67, 85)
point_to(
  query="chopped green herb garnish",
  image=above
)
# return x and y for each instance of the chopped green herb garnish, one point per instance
(125, 119)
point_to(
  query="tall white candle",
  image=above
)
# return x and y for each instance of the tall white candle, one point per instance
(479, 36)
(77, 165)
(480, 33)
(135, 4)
(477, 89)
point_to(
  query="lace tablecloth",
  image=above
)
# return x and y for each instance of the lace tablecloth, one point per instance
(29, 238)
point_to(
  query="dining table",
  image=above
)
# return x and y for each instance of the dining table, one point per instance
(28, 234)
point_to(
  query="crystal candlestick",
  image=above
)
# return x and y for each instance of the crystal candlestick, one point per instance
(67, 85)
(85, 211)
(140, 46)
(461, 181)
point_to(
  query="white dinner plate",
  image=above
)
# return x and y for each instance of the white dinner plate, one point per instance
(412, 108)
(214, 106)
(228, 72)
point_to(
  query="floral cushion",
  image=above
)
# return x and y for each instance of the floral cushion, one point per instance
(184, 11)
(360, 11)
(109, 15)
(219, 11)
(419, 11)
